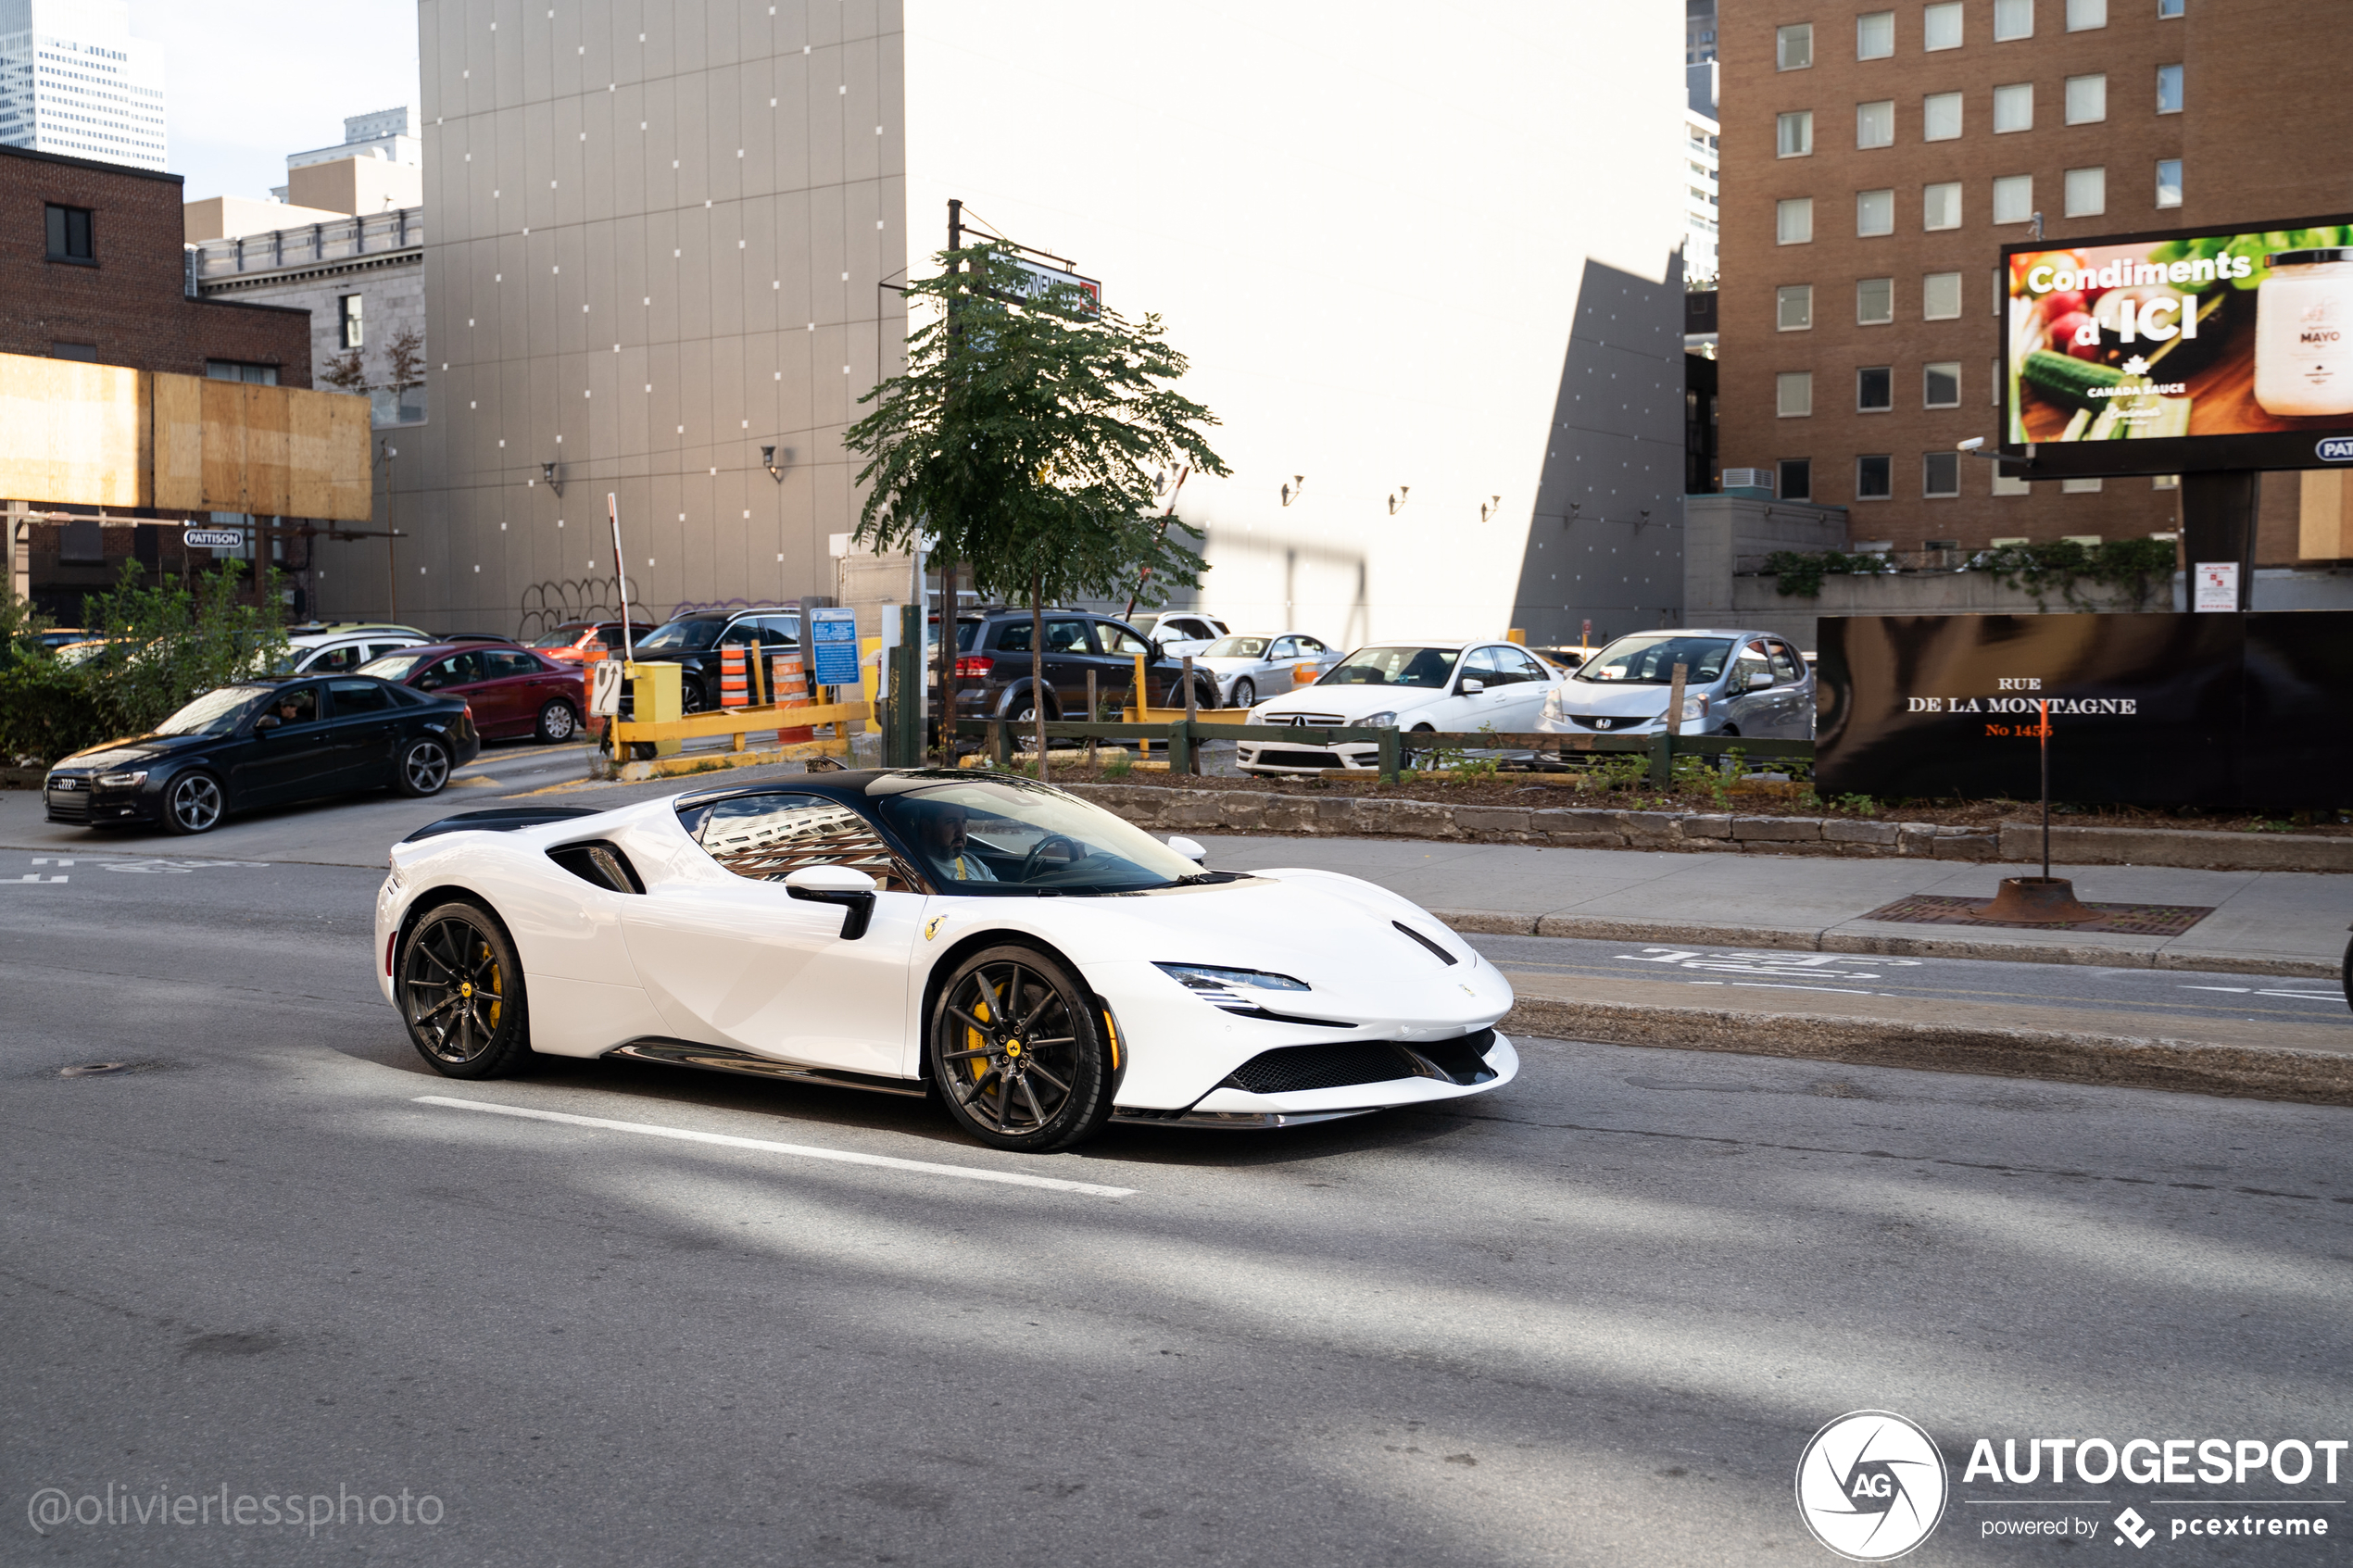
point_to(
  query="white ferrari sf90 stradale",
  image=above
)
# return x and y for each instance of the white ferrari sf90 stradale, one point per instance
(1041, 965)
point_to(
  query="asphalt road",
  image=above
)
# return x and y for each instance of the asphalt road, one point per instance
(1591, 1318)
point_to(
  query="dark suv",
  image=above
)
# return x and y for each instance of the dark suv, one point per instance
(992, 665)
(695, 640)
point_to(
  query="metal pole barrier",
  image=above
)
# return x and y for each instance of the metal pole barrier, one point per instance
(1094, 716)
(1193, 759)
(1391, 755)
(1180, 747)
(2044, 707)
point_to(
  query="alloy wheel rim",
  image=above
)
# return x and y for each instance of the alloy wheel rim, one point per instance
(428, 765)
(1244, 695)
(455, 993)
(195, 802)
(559, 721)
(1015, 1064)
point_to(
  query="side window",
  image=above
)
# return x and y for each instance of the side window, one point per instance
(377, 650)
(1523, 666)
(1119, 640)
(742, 632)
(1285, 648)
(293, 705)
(1786, 664)
(1312, 645)
(1013, 636)
(1751, 662)
(357, 696)
(504, 662)
(775, 632)
(1068, 637)
(767, 837)
(1482, 665)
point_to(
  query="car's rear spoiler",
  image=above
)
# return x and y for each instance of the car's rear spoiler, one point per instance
(501, 819)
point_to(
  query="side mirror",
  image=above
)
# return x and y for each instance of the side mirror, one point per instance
(1157, 654)
(1470, 687)
(267, 721)
(1759, 679)
(853, 890)
(1188, 848)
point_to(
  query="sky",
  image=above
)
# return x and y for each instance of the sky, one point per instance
(250, 81)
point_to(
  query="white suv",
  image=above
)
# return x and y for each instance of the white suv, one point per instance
(346, 648)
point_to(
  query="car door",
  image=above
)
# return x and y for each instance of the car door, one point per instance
(290, 758)
(1483, 708)
(1524, 684)
(1274, 676)
(732, 959)
(1119, 644)
(1793, 719)
(538, 681)
(466, 675)
(361, 716)
(1749, 696)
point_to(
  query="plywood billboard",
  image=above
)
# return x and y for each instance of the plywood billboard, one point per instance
(72, 434)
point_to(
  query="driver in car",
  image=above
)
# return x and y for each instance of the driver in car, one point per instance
(941, 832)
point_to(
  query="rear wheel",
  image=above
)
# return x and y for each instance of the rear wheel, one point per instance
(1017, 1053)
(1244, 693)
(193, 804)
(690, 696)
(557, 721)
(423, 768)
(461, 994)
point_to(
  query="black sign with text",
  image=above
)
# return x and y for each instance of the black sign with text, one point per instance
(2233, 711)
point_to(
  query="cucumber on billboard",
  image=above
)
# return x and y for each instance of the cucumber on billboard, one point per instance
(2174, 352)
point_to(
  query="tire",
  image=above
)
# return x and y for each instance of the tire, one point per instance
(461, 994)
(1245, 691)
(1024, 710)
(557, 722)
(193, 803)
(690, 696)
(423, 768)
(1030, 1095)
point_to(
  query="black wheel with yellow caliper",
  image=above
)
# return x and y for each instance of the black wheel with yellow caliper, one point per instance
(1018, 1051)
(460, 993)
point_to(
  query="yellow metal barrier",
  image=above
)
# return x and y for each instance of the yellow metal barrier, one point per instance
(738, 721)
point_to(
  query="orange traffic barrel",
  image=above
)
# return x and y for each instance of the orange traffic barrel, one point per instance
(735, 685)
(790, 682)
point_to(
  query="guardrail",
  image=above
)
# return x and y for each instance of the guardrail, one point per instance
(738, 721)
(1397, 747)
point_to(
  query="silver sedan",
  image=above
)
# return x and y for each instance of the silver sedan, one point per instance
(1247, 669)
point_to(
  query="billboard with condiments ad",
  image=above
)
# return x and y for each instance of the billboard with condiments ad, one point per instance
(2168, 353)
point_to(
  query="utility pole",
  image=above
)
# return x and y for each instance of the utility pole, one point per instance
(947, 561)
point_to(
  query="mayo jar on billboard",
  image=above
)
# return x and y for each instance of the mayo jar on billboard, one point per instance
(2164, 353)
(2304, 317)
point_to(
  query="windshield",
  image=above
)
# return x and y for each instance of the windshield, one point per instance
(215, 713)
(1393, 667)
(1237, 647)
(562, 637)
(393, 666)
(1650, 660)
(997, 835)
(681, 634)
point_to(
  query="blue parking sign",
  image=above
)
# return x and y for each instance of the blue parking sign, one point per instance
(833, 645)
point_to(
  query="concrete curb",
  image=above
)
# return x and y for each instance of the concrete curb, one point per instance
(2065, 1056)
(1601, 827)
(1490, 923)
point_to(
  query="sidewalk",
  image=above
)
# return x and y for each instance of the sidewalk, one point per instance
(2264, 922)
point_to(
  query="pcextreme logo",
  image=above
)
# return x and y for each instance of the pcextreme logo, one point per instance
(1872, 1486)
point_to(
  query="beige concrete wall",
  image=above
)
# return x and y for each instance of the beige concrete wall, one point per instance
(354, 185)
(226, 218)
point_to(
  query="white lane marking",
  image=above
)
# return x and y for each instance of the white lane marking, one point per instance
(157, 865)
(2238, 990)
(35, 876)
(966, 1173)
(47, 860)
(1770, 986)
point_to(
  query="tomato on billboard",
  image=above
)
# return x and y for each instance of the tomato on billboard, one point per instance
(2162, 353)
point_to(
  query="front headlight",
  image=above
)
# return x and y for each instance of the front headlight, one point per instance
(1385, 719)
(1228, 988)
(121, 781)
(1695, 707)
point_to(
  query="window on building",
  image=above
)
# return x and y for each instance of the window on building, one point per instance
(1875, 124)
(2085, 15)
(2013, 199)
(1940, 474)
(1994, 382)
(348, 316)
(2171, 8)
(1941, 297)
(2013, 18)
(2005, 486)
(1941, 384)
(1794, 220)
(1793, 393)
(1793, 306)
(1874, 212)
(1793, 46)
(1795, 133)
(1875, 35)
(2079, 486)
(1796, 479)
(1874, 389)
(1941, 26)
(2164, 482)
(1874, 301)
(1873, 477)
(2169, 182)
(85, 352)
(70, 237)
(237, 369)
(2087, 99)
(2086, 192)
(2014, 107)
(1940, 117)
(1941, 205)
(2169, 89)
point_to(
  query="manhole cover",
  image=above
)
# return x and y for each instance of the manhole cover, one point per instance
(90, 1069)
(2123, 920)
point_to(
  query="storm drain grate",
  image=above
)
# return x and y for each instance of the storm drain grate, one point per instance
(2123, 920)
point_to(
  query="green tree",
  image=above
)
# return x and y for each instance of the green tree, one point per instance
(168, 642)
(1022, 437)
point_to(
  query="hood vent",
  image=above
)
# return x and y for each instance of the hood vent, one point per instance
(1443, 956)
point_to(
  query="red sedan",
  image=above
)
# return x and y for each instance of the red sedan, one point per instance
(513, 691)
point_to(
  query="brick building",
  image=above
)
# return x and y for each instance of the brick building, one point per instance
(1877, 155)
(93, 268)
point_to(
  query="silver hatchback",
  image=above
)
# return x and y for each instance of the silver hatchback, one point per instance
(1735, 684)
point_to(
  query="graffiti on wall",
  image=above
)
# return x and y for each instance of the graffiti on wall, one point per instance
(552, 601)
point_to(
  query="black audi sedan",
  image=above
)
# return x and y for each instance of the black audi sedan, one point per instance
(266, 742)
